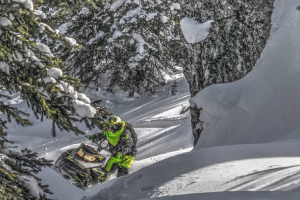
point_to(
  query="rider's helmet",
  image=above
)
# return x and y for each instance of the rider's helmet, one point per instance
(115, 123)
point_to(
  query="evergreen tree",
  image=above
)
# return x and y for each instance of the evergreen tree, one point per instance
(28, 67)
(126, 43)
(236, 40)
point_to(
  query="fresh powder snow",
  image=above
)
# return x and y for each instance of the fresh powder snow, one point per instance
(264, 105)
(249, 148)
(251, 133)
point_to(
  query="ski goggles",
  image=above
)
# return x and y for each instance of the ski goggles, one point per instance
(115, 127)
(114, 120)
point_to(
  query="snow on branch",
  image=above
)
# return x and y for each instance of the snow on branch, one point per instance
(84, 110)
(116, 4)
(4, 67)
(4, 21)
(27, 3)
(194, 31)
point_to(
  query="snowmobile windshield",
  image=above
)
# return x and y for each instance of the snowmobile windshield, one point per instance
(113, 137)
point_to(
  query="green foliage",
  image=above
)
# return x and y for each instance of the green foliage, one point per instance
(128, 47)
(25, 67)
(13, 171)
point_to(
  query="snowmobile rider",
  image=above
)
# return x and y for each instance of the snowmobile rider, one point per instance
(122, 142)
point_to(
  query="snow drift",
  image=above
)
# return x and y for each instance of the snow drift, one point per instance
(264, 106)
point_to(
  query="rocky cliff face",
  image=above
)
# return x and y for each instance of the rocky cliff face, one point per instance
(236, 40)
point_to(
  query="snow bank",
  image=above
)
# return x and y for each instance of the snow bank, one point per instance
(62, 189)
(83, 110)
(234, 168)
(264, 105)
(194, 31)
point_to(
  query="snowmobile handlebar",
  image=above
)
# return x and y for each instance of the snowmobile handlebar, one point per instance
(99, 139)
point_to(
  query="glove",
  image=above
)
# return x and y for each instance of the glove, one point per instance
(119, 155)
(95, 138)
(113, 160)
(91, 137)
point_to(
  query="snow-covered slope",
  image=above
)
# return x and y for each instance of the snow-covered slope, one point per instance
(162, 132)
(263, 106)
(241, 122)
(261, 110)
(259, 167)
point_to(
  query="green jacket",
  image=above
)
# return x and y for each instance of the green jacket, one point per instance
(123, 141)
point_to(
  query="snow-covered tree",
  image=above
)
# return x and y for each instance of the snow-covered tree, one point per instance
(27, 66)
(125, 43)
(237, 37)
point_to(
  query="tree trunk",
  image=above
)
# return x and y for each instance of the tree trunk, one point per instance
(236, 40)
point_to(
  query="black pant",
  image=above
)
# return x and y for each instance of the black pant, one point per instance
(121, 170)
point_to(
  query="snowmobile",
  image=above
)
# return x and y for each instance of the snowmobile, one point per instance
(84, 166)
